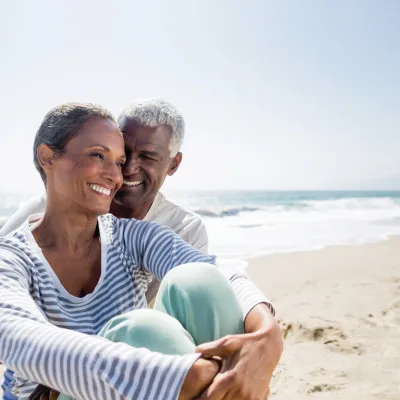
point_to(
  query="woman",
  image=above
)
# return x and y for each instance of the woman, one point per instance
(73, 281)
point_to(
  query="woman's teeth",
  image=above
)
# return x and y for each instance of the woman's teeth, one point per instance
(100, 189)
(132, 183)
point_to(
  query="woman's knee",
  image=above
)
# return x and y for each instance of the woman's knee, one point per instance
(202, 299)
(199, 281)
(195, 275)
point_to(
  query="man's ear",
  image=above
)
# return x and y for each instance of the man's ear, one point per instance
(45, 156)
(175, 163)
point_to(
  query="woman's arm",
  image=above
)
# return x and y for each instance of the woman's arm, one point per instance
(159, 250)
(82, 366)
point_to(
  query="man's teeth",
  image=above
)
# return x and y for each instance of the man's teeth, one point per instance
(100, 189)
(132, 183)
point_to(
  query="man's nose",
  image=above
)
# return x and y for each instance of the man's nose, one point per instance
(131, 166)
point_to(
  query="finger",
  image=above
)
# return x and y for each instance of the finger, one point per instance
(220, 348)
(218, 390)
(39, 390)
(54, 395)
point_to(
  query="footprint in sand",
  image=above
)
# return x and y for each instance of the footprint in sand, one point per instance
(324, 387)
(331, 336)
(392, 313)
(337, 380)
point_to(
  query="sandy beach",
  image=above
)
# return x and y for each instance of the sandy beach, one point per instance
(339, 309)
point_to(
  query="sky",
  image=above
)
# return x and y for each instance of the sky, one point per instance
(276, 95)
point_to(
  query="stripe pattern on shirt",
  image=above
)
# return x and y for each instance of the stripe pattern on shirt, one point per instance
(47, 335)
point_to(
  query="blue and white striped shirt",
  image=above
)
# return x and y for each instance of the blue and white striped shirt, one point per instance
(48, 335)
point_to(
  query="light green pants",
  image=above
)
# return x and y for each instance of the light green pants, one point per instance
(195, 304)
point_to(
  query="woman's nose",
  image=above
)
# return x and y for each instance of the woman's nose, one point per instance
(113, 173)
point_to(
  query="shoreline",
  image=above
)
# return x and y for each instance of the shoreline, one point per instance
(255, 258)
(339, 310)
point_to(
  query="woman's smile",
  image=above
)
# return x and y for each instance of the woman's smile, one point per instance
(101, 190)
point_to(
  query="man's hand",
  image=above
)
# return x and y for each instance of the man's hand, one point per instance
(248, 360)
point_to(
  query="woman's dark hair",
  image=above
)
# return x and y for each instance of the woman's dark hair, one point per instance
(61, 124)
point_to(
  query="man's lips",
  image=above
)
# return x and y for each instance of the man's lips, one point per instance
(132, 183)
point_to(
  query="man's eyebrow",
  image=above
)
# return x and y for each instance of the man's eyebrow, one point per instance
(150, 153)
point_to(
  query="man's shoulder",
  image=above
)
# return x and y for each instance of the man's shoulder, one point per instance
(169, 211)
(34, 205)
(185, 223)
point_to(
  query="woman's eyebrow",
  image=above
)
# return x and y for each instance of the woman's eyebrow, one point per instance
(99, 145)
(105, 148)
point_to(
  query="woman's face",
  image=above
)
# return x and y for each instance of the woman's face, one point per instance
(88, 173)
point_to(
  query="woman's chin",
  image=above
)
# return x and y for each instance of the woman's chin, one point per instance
(98, 209)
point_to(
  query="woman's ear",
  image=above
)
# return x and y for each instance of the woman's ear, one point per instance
(45, 156)
(176, 161)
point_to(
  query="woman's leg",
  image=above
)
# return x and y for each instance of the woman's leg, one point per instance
(150, 329)
(195, 304)
(202, 305)
(200, 297)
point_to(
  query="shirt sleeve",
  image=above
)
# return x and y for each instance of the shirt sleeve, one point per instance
(97, 368)
(200, 238)
(159, 250)
(34, 205)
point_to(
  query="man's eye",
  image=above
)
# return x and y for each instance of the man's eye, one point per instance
(97, 155)
(146, 157)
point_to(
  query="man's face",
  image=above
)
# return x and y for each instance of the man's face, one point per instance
(148, 162)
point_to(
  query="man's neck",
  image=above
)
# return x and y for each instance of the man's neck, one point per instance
(121, 211)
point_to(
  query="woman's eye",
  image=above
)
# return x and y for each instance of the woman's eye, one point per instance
(97, 155)
(121, 164)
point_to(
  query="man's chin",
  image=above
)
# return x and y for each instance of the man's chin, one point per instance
(126, 198)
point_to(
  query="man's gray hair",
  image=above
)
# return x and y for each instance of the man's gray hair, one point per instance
(61, 124)
(154, 112)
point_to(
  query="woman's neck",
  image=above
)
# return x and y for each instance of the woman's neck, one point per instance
(69, 229)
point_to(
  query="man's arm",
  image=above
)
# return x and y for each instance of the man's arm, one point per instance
(199, 237)
(34, 205)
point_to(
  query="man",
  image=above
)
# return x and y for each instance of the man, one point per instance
(153, 132)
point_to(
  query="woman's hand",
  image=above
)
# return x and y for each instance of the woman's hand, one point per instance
(44, 393)
(199, 378)
(53, 395)
(248, 359)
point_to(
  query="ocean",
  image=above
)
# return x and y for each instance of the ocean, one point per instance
(251, 223)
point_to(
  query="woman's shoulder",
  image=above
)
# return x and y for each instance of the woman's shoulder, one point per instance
(15, 249)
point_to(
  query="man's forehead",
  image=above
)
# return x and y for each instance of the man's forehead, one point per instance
(152, 138)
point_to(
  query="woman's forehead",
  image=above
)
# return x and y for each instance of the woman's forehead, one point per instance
(99, 130)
